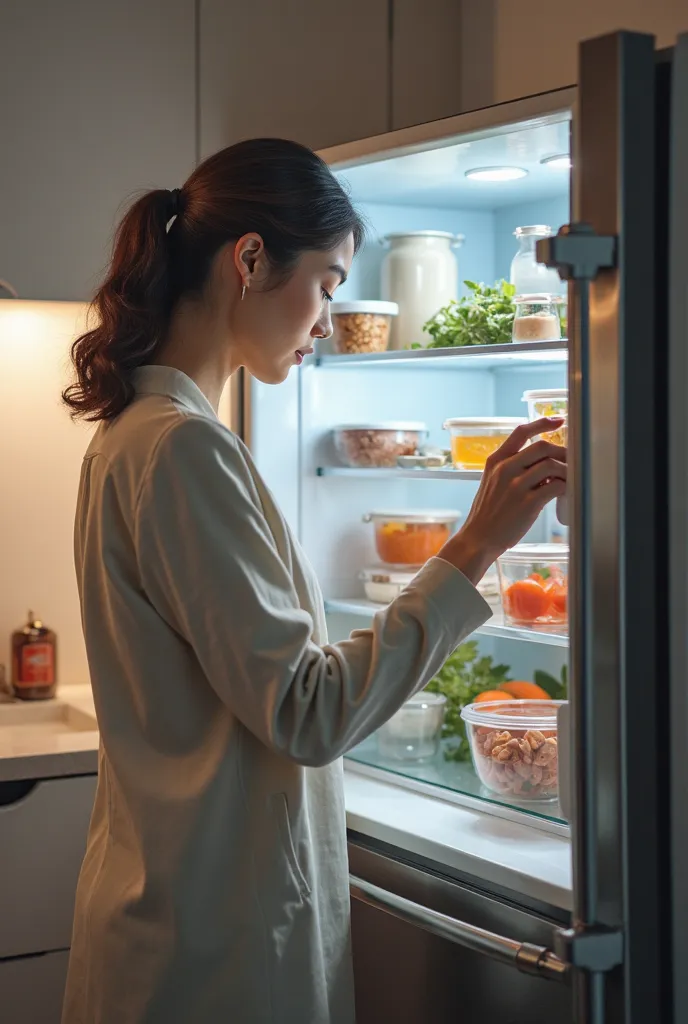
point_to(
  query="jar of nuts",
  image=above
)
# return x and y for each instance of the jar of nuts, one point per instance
(363, 326)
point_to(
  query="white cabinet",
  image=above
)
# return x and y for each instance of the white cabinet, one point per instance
(32, 989)
(98, 103)
(43, 828)
(300, 69)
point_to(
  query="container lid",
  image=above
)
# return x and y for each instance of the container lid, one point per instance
(365, 306)
(537, 396)
(524, 554)
(392, 425)
(533, 229)
(405, 516)
(381, 574)
(423, 700)
(514, 714)
(505, 422)
(550, 298)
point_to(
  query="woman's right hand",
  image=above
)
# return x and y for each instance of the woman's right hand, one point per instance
(518, 481)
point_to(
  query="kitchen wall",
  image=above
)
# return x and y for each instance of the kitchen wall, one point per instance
(511, 49)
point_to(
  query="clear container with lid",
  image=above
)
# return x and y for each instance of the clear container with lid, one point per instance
(410, 538)
(536, 318)
(514, 746)
(362, 326)
(549, 402)
(382, 584)
(413, 733)
(378, 445)
(475, 438)
(527, 275)
(533, 581)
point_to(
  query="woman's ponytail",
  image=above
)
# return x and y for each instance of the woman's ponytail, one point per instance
(278, 189)
(131, 308)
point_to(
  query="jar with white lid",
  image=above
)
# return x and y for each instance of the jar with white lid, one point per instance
(527, 275)
(420, 273)
(536, 318)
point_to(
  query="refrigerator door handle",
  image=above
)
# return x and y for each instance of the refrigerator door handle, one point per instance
(525, 956)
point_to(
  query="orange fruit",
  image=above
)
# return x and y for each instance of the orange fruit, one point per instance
(526, 600)
(558, 595)
(491, 695)
(521, 690)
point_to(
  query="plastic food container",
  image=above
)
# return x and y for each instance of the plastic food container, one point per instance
(383, 585)
(411, 538)
(362, 326)
(377, 445)
(475, 438)
(554, 402)
(514, 747)
(536, 318)
(533, 580)
(413, 733)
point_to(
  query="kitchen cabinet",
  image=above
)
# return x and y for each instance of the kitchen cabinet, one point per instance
(426, 64)
(309, 71)
(102, 105)
(32, 988)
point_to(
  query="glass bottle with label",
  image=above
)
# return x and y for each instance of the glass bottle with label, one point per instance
(34, 661)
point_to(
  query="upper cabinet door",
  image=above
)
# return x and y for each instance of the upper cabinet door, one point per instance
(313, 72)
(426, 70)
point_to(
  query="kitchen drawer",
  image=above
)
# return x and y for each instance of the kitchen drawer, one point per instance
(43, 827)
(32, 988)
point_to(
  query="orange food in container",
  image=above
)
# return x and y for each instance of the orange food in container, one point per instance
(475, 438)
(533, 580)
(411, 538)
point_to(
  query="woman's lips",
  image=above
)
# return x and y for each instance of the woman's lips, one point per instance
(301, 353)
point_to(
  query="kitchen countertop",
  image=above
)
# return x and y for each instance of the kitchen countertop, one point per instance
(510, 854)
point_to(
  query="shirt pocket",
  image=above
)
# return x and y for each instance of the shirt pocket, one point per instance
(280, 810)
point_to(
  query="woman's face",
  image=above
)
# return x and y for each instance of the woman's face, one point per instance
(273, 328)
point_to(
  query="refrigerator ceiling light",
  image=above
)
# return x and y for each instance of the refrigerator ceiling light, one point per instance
(496, 173)
(560, 162)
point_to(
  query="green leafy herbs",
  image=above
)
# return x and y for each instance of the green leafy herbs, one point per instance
(462, 677)
(558, 689)
(483, 317)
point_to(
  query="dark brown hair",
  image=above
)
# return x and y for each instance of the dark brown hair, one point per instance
(279, 189)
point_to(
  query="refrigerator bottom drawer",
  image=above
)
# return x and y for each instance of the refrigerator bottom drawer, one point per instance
(406, 975)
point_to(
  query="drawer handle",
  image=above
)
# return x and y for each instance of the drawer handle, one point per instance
(14, 791)
(525, 956)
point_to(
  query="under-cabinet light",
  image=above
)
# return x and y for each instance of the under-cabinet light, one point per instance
(560, 162)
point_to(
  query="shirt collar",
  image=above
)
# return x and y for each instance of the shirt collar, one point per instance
(166, 380)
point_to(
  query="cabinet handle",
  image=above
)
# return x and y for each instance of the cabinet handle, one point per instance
(530, 959)
(14, 791)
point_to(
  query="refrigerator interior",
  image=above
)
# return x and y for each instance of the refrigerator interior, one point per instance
(290, 426)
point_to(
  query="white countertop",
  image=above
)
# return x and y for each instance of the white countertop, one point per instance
(510, 854)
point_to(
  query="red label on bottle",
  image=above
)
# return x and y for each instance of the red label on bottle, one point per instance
(37, 665)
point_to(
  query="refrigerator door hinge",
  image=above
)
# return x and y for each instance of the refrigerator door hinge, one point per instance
(577, 252)
(590, 949)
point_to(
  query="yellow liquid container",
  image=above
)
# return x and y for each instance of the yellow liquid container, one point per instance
(474, 439)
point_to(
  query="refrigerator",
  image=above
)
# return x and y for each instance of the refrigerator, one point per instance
(430, 943)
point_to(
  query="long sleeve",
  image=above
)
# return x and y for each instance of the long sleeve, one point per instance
(210, 565)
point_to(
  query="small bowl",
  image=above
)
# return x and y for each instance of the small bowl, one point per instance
(514, 746)
(413, 733)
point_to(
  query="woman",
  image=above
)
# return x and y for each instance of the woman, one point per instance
(215, 884)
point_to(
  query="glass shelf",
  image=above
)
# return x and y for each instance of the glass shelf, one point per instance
(452, 777)
(476, 357)
(494, 627)
(401, 474)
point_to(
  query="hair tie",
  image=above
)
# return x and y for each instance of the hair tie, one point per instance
(175, 202)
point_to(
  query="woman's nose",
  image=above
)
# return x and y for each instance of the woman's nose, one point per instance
(322, 328)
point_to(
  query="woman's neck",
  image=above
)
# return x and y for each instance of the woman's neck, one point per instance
(197, 344)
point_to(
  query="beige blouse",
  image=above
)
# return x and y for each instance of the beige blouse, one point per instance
(215, 883)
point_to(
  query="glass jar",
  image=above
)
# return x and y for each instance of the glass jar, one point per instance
(533, 580)
(475, 438)
(536, 318)
(34, 661)
(413, 733)
(527, 275)
(409, 539)
(419, 273)
(549, 402)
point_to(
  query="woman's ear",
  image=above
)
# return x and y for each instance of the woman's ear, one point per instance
(250, 260)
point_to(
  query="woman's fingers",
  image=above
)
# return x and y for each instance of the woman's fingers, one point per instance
(530, 456)
(544, 469)
(549, 491)
(521, 435)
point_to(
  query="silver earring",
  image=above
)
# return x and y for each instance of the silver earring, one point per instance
(243, 291)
